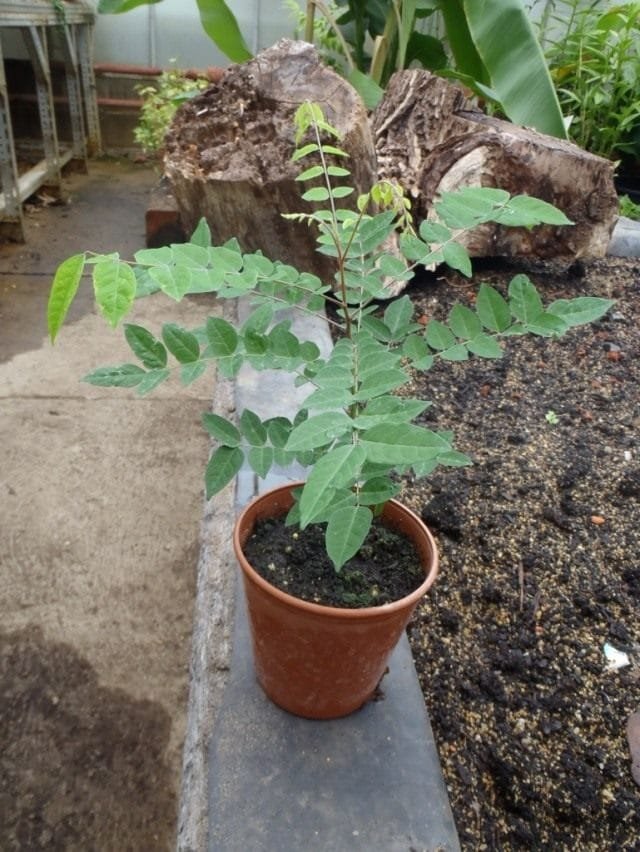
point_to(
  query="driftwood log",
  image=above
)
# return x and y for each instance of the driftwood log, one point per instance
(430, 139)
(228, 151)
(228, 159)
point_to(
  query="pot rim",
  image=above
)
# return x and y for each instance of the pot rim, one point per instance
(333, 611)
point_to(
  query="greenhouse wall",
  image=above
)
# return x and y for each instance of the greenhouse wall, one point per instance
(170, 32)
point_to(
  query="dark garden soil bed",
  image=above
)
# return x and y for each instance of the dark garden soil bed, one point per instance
(295, 561)
(540, 551)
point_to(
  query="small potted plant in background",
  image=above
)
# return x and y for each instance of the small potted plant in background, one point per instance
(323, 632)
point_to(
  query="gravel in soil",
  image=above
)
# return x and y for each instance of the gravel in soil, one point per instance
(540, 567)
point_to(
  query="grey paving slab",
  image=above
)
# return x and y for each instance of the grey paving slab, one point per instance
(371, 781)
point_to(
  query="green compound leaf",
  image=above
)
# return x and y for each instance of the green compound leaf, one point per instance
(64, 288)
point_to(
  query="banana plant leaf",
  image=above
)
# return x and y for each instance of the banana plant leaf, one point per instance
(217, 19)
(220, 24)
(480, 31)
(114, 7)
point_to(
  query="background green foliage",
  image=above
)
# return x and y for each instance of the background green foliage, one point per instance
(593, 51)
(160, 101)
(491, 46)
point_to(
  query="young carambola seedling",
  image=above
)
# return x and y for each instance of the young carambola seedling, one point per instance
(353, 431)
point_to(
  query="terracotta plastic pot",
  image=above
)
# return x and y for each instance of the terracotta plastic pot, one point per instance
(317, 661)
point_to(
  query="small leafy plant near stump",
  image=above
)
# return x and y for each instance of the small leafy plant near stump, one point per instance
(353, 431)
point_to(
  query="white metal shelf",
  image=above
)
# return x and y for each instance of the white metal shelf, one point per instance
(37, 22)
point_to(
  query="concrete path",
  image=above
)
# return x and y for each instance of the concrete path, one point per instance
(101, 508)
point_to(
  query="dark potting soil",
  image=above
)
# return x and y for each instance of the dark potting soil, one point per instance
(539, 568)
(294, 561)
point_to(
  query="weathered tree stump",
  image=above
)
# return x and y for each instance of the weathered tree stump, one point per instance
(228, 151)
(430, 139)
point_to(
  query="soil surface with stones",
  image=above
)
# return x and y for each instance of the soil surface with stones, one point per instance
(540, 568)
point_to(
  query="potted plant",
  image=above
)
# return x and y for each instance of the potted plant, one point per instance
(314, 628)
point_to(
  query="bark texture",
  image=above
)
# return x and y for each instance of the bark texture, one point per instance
(228, 151)
(430, 139)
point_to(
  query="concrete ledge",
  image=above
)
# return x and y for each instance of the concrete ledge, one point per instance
(625, 240)
(369, 781)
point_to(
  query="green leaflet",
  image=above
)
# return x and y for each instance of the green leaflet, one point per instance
(192, 371)
(151, 380)
(182, 344)
(202, 234)
(398, 316)
(485, 346)
(492, 308)
(463, 322)
(260, 460)
(124, 376)
(252, 428)
(150, 351)
(318, 431)
(377, 490)
(222, 337)
(581, 310)
(222, 467)
(65, 286)
(402, 444)
(222, 430)
(346, 531)
(335, 469)
(114, 285)
(438, 335)
(524, 300)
